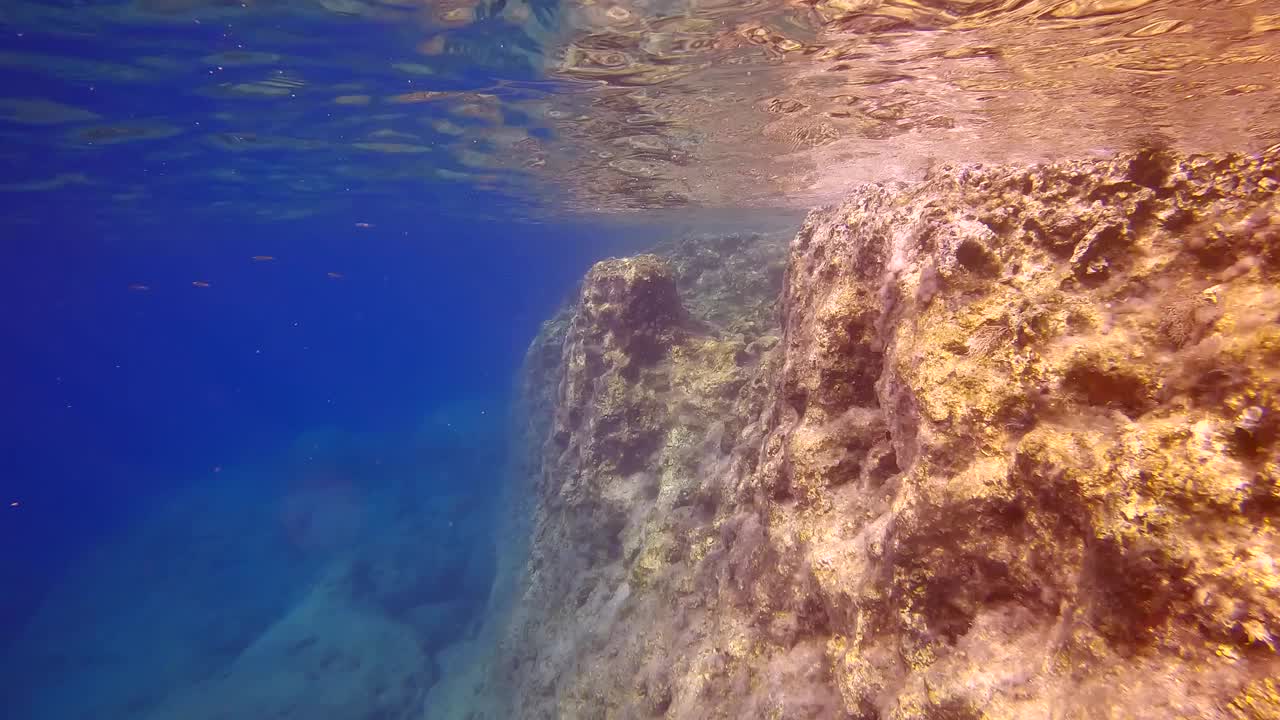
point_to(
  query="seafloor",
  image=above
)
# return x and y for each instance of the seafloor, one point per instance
(1000, 443)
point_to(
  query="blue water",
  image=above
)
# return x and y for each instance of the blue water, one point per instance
(115, 394)
(211, 408)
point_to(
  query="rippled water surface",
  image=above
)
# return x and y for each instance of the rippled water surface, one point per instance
(282, 109)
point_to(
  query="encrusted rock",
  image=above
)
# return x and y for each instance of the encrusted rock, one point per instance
(1014, 455)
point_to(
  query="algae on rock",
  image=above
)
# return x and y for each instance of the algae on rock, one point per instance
(1011, 454)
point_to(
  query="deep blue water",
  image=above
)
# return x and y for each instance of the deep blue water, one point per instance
(116, 393)
(126, 384)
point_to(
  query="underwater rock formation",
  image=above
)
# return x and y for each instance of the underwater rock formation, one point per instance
(1011, 453)
(318, 586)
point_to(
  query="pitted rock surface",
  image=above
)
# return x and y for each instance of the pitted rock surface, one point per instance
(1012, 453)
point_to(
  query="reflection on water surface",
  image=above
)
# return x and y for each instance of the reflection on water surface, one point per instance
(280, 109)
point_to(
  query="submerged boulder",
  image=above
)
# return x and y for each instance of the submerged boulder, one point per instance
(1011, 453)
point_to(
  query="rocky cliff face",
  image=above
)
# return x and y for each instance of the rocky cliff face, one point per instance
(1012, 453)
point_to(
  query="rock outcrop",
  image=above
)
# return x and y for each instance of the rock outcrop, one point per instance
(318, 586)
(1011, 453)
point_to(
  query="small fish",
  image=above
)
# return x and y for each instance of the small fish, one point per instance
(139, 287)
(334, 275)
(263, 258)
(364, 225)
(14, 504)
(199, 284)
